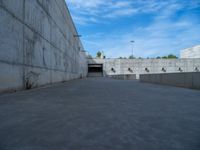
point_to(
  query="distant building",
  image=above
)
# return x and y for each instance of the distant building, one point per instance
(193, 52)
(102, 55)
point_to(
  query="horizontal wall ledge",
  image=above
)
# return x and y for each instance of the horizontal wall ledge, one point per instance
(186, 80)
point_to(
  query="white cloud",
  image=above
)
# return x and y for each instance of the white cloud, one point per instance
(121, 4)
(152, 43)
(86, 3)
(99, 9)
(160, 37)
(84, 20)
(121, 12)
(102, 9)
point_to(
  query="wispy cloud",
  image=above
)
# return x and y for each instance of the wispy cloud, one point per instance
(86, 4)
(167, 26)
(121, 12)
(160, 38)
(99, 9)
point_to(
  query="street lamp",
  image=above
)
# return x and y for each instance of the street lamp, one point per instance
(77, 35)
(132, 42)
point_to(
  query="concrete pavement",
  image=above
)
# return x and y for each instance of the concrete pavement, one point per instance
(101, 114)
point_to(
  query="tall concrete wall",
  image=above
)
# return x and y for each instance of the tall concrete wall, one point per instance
(187, 80)
(146, 66)
(37, 44)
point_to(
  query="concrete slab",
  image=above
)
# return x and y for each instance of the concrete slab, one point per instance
(38, 76)
(38, 50)
(11, 31)
(10, 76)
(37, 18)
(187, 79)
(101, 114)
(196, 80)
(15, 9)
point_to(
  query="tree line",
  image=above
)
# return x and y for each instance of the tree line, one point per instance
(100, 54)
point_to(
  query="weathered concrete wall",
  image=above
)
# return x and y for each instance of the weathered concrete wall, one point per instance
(187, 80)
(193, 52)
(146, 66)
(37, 44)
(124, 76)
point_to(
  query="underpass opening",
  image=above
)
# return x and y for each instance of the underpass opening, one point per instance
(95, 70)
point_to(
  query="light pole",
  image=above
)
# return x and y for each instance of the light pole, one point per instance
(132, 42)
(77, 35)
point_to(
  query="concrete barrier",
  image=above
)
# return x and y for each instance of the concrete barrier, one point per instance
(124, 76)
(146, 66)
(93, 74)
(187, 80)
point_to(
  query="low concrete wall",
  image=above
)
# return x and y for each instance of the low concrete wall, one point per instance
(146, 66)
(187, 80)
(93, 74)
(38, 45)
(124, 76)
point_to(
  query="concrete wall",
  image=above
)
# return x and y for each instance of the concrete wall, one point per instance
(193, 52)
(37, 44)
(187, 80)
(146, 66)
(124, 76)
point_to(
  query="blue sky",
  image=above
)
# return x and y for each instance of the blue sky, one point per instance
(158, 27)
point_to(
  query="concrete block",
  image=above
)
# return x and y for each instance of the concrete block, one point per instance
(11, 77)
(196, 80)
(124, 77)
(56, 58)
(37, 76)
(37, 49)
(58, 76)
(45, 4)
(37, 18)
(58, 17)
(56, 37)
(11, 33)
(143, 78)
(14, 7)
(157, 78)
(177, 79)
(62, 6)
(188, 79)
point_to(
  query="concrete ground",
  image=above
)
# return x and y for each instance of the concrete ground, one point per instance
(101, 114)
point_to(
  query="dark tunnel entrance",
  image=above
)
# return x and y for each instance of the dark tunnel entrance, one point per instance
(95, 70)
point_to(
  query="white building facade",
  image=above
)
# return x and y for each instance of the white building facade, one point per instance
(193, 52)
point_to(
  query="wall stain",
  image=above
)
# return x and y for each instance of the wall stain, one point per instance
(30, 46)
(43, 51)
(31, 79)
